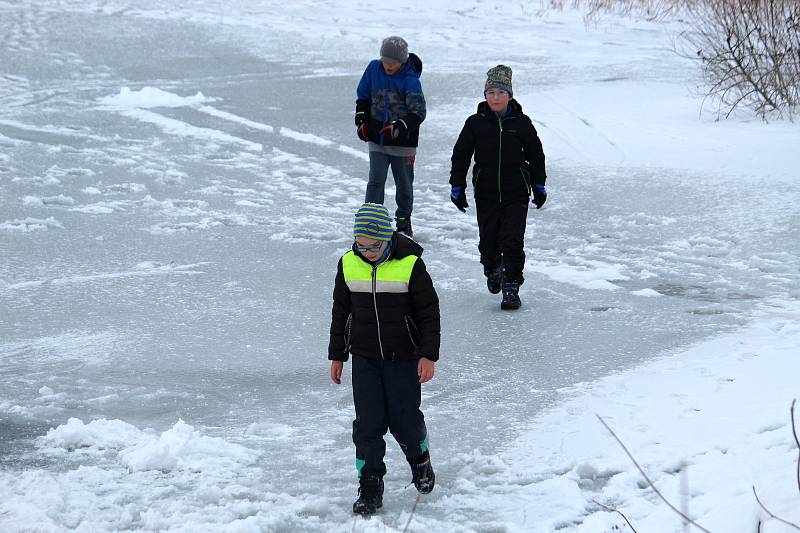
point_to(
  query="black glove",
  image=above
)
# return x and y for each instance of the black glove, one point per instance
(363, 132)
(395, 129)
(539, 195)
(361, 118)
(459, 197)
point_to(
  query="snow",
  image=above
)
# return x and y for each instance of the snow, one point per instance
(148, 97)
(177, 182)
(717, 413)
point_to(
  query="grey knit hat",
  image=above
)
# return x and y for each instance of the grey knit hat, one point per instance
(499, 77)
(394, 49)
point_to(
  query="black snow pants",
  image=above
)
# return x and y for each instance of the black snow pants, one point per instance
(387, 395)
(501, 227)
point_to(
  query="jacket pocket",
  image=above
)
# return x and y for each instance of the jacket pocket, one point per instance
(413, 332)
(347, 327)
(526, 177)
(475, 173)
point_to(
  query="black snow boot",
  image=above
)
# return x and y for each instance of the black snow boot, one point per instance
(404, 226)
(422, 473)
(510, 296)
(494, 279)
(370, 495)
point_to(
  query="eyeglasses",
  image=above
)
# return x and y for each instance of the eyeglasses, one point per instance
(496, 93)
(364, 249)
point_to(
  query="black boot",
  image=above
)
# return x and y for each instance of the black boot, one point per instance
(494, 279)
(510, 296)
(370, 495)
(422, 473)
(404, 225)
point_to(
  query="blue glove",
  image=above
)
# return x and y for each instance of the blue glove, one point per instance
(539, 195)
(458, 197)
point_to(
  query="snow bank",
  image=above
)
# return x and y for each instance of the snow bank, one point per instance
(711, 423)
(148, 97)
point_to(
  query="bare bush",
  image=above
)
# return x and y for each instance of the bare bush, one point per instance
(647, 9)
(749, 49)
(750, 52)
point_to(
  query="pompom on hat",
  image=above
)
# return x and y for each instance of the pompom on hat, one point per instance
(394, 49)
(373, 222)
(499, 77)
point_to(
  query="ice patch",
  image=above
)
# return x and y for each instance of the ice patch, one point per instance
(160, 269)
(646, 292)
(180, 448)
(235, 118)
(89, 347)
(183, 129)
(30, 224)
(47, 201)
(305, 137)
(172, 177)
(595, 275)
(271, 430)
(100, 208)
(98, 434)
(184, 448)
(38, 180)
(149, 97)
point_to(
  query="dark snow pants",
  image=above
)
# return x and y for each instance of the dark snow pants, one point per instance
(501, 227)
(387, 395)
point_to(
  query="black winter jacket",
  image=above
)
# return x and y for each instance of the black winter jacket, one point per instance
(402, 326)
(509, 158)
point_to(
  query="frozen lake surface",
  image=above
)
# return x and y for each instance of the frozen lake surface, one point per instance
(177, 183)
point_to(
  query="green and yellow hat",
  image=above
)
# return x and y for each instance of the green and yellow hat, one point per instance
(373, 222)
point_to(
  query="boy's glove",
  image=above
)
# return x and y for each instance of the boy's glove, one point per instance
(361, 118)
(363, 132)
(539, 195)
(459, 197)
(395, 129)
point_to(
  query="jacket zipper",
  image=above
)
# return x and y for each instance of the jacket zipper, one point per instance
(375, 303)
(499, 160)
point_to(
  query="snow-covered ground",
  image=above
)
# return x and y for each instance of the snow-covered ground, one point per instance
(177, 181)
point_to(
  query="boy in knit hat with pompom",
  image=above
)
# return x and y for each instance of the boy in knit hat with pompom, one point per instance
(386, 314)
(508, 169)
(390, 107)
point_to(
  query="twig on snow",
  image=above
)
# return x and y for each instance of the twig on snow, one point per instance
(613, 510)
(797, 441)
(413, 510)
(778, 518)
(641, 471)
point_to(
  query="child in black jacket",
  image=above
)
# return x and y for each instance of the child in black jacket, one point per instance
(386, 314)
(509, 167)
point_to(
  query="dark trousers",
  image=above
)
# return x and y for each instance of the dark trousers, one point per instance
(501, 227)
(387, 396)
(403, 172)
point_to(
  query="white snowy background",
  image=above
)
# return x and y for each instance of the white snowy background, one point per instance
(177, 181)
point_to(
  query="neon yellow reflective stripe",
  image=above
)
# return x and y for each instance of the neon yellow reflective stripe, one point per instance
(397, 269)
(355, 269)
(392, 276)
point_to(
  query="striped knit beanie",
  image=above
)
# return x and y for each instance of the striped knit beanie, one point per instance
(499, 77)
(373, 222)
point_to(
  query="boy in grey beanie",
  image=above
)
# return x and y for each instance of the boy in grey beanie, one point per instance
(390, 107)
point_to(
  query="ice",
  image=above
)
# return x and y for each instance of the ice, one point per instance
(177, 182)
